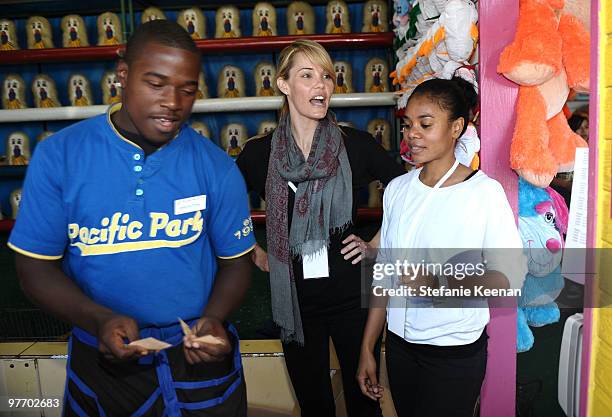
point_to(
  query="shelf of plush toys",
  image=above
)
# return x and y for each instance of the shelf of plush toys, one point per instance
(210, 105)
(239, 45)
(53, 107)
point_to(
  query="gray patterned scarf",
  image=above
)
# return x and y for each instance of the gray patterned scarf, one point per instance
(323, 205)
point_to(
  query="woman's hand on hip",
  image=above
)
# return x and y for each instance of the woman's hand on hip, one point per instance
(357, 248)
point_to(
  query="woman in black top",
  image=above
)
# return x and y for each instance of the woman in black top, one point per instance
(309, 171)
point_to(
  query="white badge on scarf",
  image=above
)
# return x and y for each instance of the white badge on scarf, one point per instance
(190, 204)
(315, 265)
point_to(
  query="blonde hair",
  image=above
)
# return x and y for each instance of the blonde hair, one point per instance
(313, 51)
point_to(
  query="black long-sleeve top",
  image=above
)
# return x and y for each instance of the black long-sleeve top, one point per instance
(369, 162)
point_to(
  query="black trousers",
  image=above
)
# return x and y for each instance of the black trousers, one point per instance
(96, 387)
(308, 365)
(435, 381)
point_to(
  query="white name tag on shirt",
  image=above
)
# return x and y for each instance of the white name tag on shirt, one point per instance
(190, 204)
(315, 265)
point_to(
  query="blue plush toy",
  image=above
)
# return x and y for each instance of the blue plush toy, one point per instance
(543, 218)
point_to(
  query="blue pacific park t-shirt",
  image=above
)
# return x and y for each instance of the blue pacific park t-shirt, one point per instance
(138, 235)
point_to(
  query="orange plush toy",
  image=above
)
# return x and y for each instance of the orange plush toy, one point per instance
(548, 57)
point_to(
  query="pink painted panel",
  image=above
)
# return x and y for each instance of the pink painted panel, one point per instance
(497, 101)
(594, 97)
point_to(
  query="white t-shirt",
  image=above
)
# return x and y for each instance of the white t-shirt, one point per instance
(437, 224)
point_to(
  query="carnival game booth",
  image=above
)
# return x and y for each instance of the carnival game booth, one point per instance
(57, 65)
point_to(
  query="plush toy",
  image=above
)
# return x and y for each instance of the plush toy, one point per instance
(15, 200)
(44, 91)
(39, 33)
(376, 74)
(265, 79)
(202, 129)
(375, 16)
(74, 31)
(543, 218)
(344, 77)
(233, 137)
(13, 92)
(381, 131)
(79, 92)
(442, 39)
(300, 18)
(227, 22)
(264, 20)
(18, 148)
(8, 36)
(109, 29)
(111, 88)
(193, 21)
(43, 135)
(401, 19)
(337, 17)
(548, 57)
(152, 13)
(202, 88)
(266, 127)
(230, 83)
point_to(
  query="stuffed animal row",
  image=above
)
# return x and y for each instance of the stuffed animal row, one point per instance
(74, 32)
(234, 135)
(231, 79)
(230, 83)
(44, 91)
(300, 21)
(376, 75)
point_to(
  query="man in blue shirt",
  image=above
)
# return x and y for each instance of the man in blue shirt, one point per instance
(130, 220)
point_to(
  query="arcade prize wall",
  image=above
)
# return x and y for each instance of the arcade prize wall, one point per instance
(91, 75)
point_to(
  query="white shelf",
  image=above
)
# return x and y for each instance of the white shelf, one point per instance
(213, 105)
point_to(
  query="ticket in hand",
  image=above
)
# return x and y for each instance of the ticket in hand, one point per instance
(150, 343)
(210, 339)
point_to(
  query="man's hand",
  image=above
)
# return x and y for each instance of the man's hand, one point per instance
(197, 351)
(260, 258)
(113, 331)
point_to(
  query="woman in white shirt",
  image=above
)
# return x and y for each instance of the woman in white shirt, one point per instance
(436, 357)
